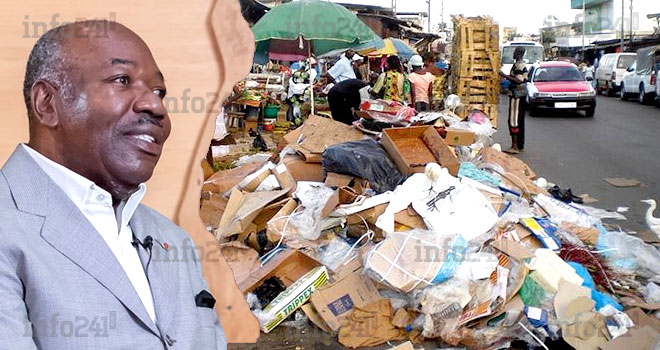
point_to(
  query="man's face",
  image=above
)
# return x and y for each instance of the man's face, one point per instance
(349, 54)
(114, 130)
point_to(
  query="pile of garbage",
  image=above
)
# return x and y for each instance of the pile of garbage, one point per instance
(428, 232)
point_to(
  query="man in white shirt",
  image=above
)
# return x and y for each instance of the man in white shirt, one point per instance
(343, 69)
(83, 265)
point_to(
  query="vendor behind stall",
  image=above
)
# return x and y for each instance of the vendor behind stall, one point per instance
(343, 98)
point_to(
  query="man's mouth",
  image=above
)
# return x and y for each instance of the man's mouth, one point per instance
(145, 137)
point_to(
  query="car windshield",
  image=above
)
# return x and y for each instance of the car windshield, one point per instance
(532, 54)
(625, 61)
(557, 74)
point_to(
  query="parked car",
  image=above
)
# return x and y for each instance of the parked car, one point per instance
(610, 71)
(560, 86)
(640, 79)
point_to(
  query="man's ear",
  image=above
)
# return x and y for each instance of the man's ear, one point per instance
(44, 95)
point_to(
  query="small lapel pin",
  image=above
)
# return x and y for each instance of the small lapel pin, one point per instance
(166, 246)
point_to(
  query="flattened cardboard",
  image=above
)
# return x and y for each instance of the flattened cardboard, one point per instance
(336, 302)
(643, 338)
(314, 316)
(301, 171)
(458, 137)
(316, 134)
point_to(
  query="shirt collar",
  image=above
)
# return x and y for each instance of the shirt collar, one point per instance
(83, 192)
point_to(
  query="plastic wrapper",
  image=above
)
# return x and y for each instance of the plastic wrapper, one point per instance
(365, 159)
(601, 299)
(599, 214)
(652, 293)
(299, 321)
(336, 252)
(629, 254)
(414, 259)
(531, 293)
(560, 212)
(313, 197)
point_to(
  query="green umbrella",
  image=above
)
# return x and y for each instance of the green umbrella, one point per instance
(293, 30)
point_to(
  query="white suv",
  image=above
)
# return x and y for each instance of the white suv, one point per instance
(640, 83)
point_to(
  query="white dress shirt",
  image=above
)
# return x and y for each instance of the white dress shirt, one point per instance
(95, 204)
(342, 70)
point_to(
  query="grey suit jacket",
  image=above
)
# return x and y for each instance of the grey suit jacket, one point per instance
(62, 288)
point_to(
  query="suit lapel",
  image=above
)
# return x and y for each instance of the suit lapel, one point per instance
(162, 275)
(68, 231)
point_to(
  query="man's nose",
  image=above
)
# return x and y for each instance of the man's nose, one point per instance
(149, 102)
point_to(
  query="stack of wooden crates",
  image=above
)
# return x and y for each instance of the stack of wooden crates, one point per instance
(476, 65)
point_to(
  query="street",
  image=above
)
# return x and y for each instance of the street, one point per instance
(577, 152)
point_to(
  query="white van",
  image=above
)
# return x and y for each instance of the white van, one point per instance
(611, 69)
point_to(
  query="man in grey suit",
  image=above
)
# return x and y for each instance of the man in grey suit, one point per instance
(84, 265)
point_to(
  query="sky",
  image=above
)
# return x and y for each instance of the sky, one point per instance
(528, 18)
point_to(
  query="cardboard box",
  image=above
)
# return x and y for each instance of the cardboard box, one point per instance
(336, 301)
(288, 265)
(458, 137)
(302, 171)
(412, 148)
(293, 297)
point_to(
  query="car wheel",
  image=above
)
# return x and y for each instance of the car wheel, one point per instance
(642, 94)
(533, 111)
(622, 94)
(589, 112)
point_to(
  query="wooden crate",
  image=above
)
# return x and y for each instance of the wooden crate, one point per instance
(476, 64)
(491, 109)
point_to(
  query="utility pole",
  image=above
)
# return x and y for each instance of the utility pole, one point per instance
(394, 7)
(623, 15)
(584, 26)
(631, 23)
(428, 15)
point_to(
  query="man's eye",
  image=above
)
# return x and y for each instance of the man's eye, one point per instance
(160, 93)
(122, 80)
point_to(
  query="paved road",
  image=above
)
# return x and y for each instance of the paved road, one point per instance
(622, 140)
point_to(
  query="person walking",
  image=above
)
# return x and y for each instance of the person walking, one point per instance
(517, 101)
(422, 85)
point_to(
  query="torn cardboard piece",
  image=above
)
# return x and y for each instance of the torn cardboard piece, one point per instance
(621, 182)
(513, 249)
(459, 137)
(225, 180)
(370, 326)
(242, 260)
(242, 208)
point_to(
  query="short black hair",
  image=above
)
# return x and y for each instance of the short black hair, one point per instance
(47, 62)
(393, 63)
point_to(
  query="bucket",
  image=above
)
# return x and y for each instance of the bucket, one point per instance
(270, 112)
